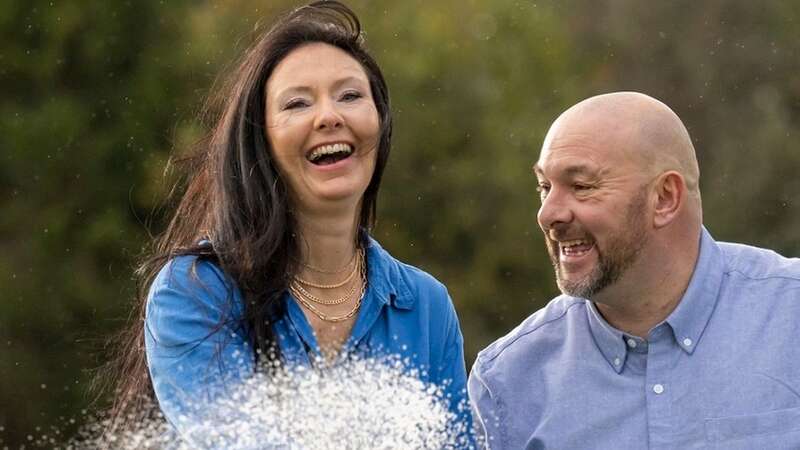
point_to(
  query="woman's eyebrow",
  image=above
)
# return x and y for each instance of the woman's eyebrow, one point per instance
(305, 89)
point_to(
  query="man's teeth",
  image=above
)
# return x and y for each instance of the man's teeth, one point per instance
(331, 149)
(575, 246)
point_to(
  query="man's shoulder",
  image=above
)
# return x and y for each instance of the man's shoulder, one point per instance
(539, 329)
(759, 263)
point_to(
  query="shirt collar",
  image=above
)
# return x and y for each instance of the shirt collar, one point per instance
(688, 320)
(384, 278)
(609, 340)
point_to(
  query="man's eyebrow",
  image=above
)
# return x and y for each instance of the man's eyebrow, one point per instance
(579, 169)
(569, 171)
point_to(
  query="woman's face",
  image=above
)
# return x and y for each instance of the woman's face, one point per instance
(322, 125)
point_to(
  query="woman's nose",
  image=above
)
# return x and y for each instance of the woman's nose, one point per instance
(328, 117)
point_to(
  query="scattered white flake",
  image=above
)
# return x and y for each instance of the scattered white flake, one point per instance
(355, 404)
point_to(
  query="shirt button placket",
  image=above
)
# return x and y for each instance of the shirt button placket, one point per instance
(660, 354)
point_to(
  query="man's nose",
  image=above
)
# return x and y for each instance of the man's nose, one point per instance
(328, 116)
(554, 211)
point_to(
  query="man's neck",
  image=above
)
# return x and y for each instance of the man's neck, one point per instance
(638, 319)
(640, 301)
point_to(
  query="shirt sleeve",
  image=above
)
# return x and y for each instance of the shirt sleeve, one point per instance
(453, 375)
(194, 340)
(484, 409)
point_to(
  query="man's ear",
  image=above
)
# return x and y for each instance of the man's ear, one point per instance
(670, 192)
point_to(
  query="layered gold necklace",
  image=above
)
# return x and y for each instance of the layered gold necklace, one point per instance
(296, 287)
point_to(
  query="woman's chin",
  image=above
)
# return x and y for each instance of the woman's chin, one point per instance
(334, 197)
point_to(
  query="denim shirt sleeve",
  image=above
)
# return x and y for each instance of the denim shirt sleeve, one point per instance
(193, 339)
(451, 373)
(452, 367)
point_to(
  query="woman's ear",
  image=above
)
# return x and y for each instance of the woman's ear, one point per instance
(670, 192)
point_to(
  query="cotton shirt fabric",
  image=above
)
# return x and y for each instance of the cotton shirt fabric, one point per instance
(194, 338)
(722, 371)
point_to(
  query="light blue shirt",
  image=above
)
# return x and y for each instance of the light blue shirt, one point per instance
(722, 371)
(195, 341)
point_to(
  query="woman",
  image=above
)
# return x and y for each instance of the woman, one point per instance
(268, 256)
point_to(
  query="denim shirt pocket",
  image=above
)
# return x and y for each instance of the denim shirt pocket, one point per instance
(779, 429)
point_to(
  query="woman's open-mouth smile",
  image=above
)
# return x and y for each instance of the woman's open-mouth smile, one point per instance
(330, 156)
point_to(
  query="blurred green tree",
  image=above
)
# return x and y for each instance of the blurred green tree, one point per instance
(95, 96)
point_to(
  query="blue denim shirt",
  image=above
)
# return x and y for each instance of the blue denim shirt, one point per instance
(405, 312)
(722, 371)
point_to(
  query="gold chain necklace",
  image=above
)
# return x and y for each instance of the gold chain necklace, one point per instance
(296, 287)
(335, 285)
(309, 296)
(318, 270)
(328, 318)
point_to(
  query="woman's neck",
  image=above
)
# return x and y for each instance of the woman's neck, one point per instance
(329, 239)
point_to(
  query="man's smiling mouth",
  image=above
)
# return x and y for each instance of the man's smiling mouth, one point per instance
(575, 247)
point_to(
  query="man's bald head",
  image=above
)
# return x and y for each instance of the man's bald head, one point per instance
(618, 180)
(638, 125)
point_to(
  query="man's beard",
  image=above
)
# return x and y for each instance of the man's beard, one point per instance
(621, 252)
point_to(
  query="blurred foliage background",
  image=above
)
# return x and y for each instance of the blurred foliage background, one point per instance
(95, 95)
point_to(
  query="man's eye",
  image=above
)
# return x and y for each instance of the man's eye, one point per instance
(582, 187)
(543, 189)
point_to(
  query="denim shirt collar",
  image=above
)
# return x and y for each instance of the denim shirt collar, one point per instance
(385, 288)
(384, 278)
(689, 319)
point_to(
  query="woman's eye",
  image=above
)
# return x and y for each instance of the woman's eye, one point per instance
(349, 96)
(295, 103)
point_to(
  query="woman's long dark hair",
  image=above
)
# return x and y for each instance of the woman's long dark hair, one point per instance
(235, 208)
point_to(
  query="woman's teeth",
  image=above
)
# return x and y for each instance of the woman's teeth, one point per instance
(330, 153)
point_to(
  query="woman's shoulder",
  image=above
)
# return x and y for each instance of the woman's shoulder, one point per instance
(178, 269)
(421, 279)
(408, 280)
(192, 276)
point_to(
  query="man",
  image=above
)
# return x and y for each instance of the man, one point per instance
(663, 338)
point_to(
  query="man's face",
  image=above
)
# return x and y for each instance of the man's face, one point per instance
(594, 208)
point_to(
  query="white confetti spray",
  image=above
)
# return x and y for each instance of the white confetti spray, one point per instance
(356, 404)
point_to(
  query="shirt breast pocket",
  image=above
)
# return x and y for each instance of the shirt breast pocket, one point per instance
(779, 429)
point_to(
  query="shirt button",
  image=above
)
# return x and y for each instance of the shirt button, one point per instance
(617, 361)
(658, 388)
(687, 342)
(631, 343)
